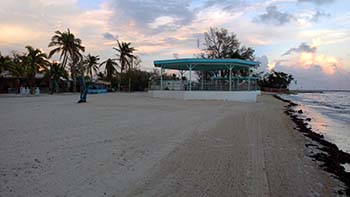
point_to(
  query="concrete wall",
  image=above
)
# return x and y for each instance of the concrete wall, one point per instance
(243, 96)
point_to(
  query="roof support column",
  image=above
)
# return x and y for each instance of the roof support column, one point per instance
(230, 77)
(190, 77)
(161, 77)
(248, 79)
(202, 81)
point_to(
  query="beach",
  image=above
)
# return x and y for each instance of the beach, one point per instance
(127, 144)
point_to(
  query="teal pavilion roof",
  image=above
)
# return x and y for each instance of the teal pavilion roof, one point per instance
(204, 64)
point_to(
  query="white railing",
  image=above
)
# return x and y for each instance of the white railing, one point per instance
(210, 85)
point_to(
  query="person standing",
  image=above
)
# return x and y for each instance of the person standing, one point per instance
(83, 90)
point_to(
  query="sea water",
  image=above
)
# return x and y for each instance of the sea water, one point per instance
(329, 113)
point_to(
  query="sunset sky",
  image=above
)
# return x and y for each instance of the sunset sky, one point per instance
(307, 38)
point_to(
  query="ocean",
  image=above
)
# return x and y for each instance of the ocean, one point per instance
(329, 113)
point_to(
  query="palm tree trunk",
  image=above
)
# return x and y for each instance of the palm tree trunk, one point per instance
(31, 81)
(57, 87)
(74, 78)
(17, 85)
(119, 81)
(129, 84)
(74, 84)
(50, 86)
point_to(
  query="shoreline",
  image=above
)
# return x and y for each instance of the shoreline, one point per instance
(331, 157)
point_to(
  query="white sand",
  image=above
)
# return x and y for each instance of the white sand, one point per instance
(132, 145)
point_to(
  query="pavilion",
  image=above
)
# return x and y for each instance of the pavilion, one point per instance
(231, 87)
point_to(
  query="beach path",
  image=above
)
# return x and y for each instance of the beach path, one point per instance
(133, 145)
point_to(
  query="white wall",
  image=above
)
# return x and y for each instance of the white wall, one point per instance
(243, 96)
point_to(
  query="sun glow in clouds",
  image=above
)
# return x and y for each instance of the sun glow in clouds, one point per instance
(271, 66)
(328, 64)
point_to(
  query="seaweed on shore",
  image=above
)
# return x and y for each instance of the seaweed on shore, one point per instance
(330, 157)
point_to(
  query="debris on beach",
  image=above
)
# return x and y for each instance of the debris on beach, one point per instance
(331, 157)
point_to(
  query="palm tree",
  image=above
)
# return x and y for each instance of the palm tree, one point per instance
(35, 62)
(110, 68)
(91, 63)
(125, 57)
(4, 62)
(55, 73)
(14, 66)
(70, 49)
(17, 68)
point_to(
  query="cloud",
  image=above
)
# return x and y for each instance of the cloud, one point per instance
(326, 64)
(226, 5)
(274, 16)
(303, 48)
(308, 18)
(325, 36)
(152, 16)
(310, 70)
(314, 77)
(319, 2)
(319, 14)
(264, 63)
(314, 71)
(109, 36)
(160, 28)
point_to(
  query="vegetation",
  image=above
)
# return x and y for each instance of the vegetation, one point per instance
(70, 49)
(110, 69)
(276, 79)
(91, 64)
(5, 61)
(123, 71)
(13, 66)
(34, 62)
(55, 73)
(136, 80)
(125, 57)
(219, 44)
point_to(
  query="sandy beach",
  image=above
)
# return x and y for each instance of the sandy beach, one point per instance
(133, 145)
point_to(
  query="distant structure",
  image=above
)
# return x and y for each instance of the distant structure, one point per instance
(220, 79)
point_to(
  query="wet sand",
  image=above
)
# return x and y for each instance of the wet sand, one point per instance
(132, 145)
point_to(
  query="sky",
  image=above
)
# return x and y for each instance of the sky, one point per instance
(309, 39)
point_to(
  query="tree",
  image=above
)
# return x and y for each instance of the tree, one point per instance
(219, 44)
(5, 62)
(276, 79)
(17, 68)
(55, 73)
(110, 68)
(14, 66)
(125, 57)
(91, 64)
(70, 49)
(136, 63)
(136, 79)
(100, 76)
(35, 62)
